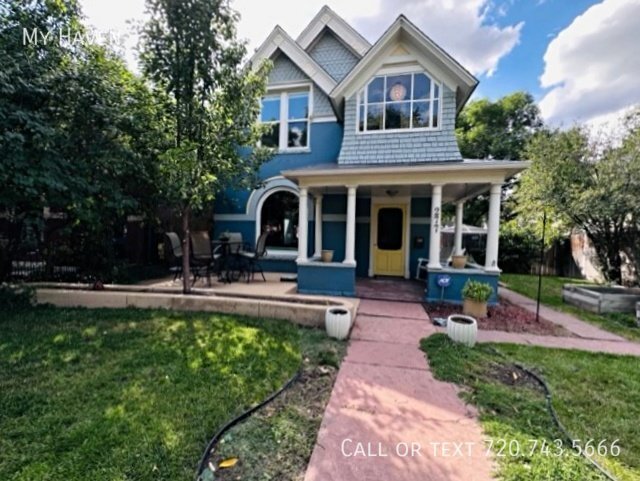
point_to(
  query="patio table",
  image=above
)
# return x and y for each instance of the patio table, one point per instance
(231, 265)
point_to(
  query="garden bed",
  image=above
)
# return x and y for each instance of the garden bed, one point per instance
(503, 317)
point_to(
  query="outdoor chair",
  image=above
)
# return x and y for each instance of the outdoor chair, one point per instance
(203, 257)
(253, 258)
(173, 247)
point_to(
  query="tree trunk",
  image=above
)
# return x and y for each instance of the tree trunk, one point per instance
(186, 255)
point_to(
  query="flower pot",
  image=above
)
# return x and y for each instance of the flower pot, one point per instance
(458, 262)
(326, 256)
(462, 329)
(338, 322)
(474, 308)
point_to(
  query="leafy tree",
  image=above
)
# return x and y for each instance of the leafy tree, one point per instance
(496, 130)
(594, 186)
(189, 48)
(78, 134)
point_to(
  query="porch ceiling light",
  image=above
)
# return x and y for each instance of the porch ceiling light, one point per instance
(392, 192)
(398, 92)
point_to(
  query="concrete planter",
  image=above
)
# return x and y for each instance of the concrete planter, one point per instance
(338, 322)
(326, 256)
(474, 308)
(462, 329)
(459, 262)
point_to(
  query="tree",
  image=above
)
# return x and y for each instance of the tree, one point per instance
(79, 134)
(496, 130)
(189, 48)
(592, 185)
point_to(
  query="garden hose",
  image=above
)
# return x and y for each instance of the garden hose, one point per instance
(214, 441)
(552, 411)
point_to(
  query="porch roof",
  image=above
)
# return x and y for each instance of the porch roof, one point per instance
(469, 171)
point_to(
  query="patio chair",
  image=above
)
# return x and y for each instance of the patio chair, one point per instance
(253, 258)
(203, 258)
(173, 247)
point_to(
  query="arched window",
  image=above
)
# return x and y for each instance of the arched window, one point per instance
(279, 217)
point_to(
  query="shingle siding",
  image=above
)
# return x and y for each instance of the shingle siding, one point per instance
(401, 147)
(333, 56)
(285, 71)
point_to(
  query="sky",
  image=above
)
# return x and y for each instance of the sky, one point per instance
(579, 58)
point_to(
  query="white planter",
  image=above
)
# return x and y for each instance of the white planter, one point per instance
(338, 322)
(462, 329)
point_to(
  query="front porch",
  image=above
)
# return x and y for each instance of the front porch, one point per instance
(381, 220)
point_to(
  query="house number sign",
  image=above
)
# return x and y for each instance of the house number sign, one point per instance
(436, 220)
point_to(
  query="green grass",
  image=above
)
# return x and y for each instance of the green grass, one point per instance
(551, 295)
(597, 396)
(130, 394)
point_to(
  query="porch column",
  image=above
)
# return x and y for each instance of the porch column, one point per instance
(457, 237)
(493, 228)
(434, 228)
(303, 224)
(318, 237)
(350, 238)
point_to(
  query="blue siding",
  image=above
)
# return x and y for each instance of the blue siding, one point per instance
(453, 293)
(327, 280)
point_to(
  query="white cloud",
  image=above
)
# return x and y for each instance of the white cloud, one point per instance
(461, 27)
(592, 66)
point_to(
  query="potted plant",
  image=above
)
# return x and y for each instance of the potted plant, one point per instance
(475, 295)
(459, 261)
(462, 329)
(338, 322)
(326, 256)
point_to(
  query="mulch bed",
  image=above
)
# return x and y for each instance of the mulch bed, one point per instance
(503, 317)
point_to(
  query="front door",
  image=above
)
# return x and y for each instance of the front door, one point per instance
(389, 239)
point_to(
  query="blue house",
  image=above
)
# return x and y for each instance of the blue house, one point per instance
(366, 158)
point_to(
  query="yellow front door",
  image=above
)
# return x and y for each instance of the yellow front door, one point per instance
(389, 243)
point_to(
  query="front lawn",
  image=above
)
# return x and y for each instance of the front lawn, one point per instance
(597, 397)
(134, 394)
(551, 295)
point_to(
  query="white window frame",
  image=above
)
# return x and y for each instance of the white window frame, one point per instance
(362, 96)
(284, 92)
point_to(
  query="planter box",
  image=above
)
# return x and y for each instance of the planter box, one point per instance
(462, 329)
(601, 299)
(474, 308)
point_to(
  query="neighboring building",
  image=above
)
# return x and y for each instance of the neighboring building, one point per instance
(366, 157)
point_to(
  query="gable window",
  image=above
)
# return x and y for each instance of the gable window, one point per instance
(287, 114)
(399, 102)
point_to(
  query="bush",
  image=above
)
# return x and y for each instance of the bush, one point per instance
(518, 249)
(477, 291)
(16, 297)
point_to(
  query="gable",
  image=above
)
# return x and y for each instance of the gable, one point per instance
(328, 19)
(285, 71)
(332, 55)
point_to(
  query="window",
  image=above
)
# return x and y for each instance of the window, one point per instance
(279, 217)
(398, 102)
(288, 115)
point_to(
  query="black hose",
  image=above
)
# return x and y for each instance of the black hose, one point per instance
(210, 447)
(552, 411)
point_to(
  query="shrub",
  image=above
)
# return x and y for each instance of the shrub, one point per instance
(16, 297)
(477, 291)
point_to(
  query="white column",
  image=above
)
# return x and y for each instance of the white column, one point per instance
(350, 242)
(303, 224)
(318, 238)
(493, 228)
(457, 237)
(435, 227)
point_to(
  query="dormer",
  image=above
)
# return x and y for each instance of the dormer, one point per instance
(400, 101)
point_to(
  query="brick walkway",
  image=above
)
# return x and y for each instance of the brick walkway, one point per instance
(384, 396)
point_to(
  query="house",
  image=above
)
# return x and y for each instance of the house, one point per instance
(366, 158)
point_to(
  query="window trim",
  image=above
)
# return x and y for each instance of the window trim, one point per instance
(274, 252)
(362, 93)
(284, 91)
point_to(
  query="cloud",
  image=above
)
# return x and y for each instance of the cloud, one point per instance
(592, 67)
(462, 27)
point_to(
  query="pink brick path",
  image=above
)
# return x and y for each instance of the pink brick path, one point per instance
(385, 395)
